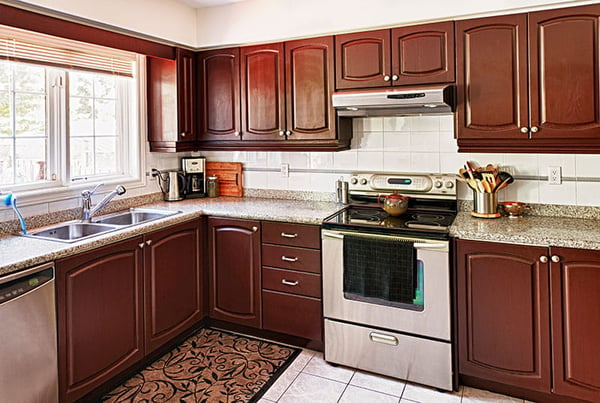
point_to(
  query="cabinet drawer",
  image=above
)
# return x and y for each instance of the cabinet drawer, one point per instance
(291, 281)
(288, 257)
(307, 236)
(292, 314)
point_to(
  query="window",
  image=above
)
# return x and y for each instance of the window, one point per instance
(68, 113)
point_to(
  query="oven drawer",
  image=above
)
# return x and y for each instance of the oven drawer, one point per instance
(303, 235)
(292, 282)
(406, 357)
(288, 257)
(292, 314)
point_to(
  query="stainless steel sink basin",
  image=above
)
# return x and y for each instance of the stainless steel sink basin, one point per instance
(134, 216)
(72, 232)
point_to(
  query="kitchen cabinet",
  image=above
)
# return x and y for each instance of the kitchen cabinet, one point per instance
(421, 54)
(234, 270)
(528, 316)
(119, 303)
(529, 82)
(171, 94)
(219, 95)
(291, 279)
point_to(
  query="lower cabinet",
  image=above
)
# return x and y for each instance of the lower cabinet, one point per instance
(118, 303)
(529, 316)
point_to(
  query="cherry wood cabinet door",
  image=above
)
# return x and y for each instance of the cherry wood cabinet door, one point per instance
(564, 48)
(491, 66)
(575, 285)
(219, 95)
(309, 76)
(172, 282)
(423, 54)
(263, 87)
(186, 95)
(234, 270)
(503, 314)
(100, 316)
(362, 60)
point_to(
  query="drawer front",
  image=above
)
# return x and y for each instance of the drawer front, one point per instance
(293, 282)
(288, 257)
(292, 314)
(306, 236)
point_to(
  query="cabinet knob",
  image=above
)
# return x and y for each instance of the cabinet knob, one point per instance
(544, 259)
(254, 229)
(395, 77)
(281, 133)
(288, 132)
(535, 129)
(149, 242)
(524, 129)
(141, 245)
(182, 134)
(289, 259)
(386, 78)
(555, 258)
(236, 133)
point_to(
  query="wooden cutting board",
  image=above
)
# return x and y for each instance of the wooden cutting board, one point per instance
(230, 177)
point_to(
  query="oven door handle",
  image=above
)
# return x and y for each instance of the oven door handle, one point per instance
(416, 245)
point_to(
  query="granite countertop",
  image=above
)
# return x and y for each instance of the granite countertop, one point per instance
(19, 252)
(532, 230)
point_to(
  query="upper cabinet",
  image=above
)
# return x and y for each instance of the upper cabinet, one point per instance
(422, 54)
(270, 97)
(171, 88)
(529, 82)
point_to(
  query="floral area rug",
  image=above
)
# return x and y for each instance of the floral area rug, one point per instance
(211, 366)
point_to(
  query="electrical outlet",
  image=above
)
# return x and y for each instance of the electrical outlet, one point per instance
(554, 175)
(285, 170)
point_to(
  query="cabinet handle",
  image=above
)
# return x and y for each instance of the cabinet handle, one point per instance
(288, 132)
(535, 129)
(544, 259)
(149, 242)
(386, 78)
(292, 283)
(395, 77)
(555, 258)
(524, 129)
(289, 259)
(286, 235)
(383, 338)
(254, 229)
(141, 245)
(281, 133)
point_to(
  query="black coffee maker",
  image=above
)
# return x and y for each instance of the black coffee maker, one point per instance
(194, 169)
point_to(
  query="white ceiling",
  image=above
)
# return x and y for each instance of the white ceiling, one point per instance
(208, 3)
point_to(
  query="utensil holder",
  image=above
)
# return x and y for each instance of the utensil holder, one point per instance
(485, 205)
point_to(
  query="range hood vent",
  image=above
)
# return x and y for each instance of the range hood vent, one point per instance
(396, 102)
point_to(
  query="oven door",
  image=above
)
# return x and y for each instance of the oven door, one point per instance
(431, 319)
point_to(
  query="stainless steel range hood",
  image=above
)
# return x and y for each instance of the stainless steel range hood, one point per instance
(395, 102)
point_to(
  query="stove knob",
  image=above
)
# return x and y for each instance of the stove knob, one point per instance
(363, 181)
(437, 184)
(449, 185)
(354, 181)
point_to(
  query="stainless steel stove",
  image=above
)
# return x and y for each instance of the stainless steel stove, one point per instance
(386, 280)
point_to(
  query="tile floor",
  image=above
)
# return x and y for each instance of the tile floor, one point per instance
(309, 379)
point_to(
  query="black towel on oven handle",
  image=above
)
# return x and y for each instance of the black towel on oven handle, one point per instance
(382, 268)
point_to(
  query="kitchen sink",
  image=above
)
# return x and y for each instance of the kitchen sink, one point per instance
(72, 232)
(77, 230)
(134, 216)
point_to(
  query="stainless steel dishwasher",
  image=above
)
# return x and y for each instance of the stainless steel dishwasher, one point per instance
(28, 363)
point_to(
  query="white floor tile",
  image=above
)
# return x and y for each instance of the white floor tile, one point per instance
(318, 366)
(472, 395)
(310, 388)
(354, 394)
(301, 361)
(378, 383)
(423, 394)
(281, 385)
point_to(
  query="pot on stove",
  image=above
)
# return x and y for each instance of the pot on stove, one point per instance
(394, 204)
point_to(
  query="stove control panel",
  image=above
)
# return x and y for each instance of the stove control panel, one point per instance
(413, 183)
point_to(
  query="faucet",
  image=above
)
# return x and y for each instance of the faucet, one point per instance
(86, 197)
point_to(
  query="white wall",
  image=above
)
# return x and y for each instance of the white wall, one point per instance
(169, 20)
(254, 21)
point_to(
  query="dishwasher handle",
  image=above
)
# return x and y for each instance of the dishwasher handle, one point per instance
(21, 283)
